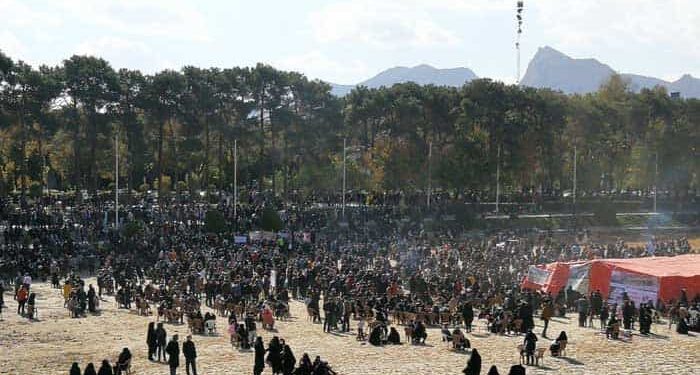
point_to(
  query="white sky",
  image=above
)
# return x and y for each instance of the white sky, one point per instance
(347, 41)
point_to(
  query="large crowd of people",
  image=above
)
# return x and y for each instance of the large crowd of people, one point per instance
(372, 273)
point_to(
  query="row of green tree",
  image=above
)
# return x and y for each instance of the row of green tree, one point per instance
(178, 130)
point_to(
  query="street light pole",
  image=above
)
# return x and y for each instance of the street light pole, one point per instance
(498, 178)
(44, 176)
(235, 180)
(430, 172)
(574, 188)
(656, 176)
(344, 173)
(116, 179)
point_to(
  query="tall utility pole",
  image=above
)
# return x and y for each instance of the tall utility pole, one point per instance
(430, 172)
(573, 192)
(344, 174)
(235, 180)
(656, 177)
(44, 176)
(498, 178)
(116, 179)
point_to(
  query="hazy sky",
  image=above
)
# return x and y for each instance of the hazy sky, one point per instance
(346, 41)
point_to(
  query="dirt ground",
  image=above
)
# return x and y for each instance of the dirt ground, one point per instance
(51, 344)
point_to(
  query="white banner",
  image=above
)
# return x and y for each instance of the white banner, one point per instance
(537, 276)
(639, 288)
(578, 277)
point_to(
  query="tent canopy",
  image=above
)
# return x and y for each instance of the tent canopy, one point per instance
(641, 278)
(680, 266)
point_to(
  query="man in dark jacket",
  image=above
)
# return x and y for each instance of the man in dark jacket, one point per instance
(628, 312)
(529, 346)
(468, 315)
(328, 310)
(582, 308)
(173, 350)
(190, 353)
(161, 337)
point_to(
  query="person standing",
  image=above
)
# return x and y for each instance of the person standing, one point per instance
(151, 340)
(468, 316)
(190, 352)
(288, 360)
(259, 365)
(529, 345)
(327, 315)
(547, 312)
(604, 314)
(173, 350)
(2, 297)
(31, 306)
(347, 310)
(22, 296)
(596, 307)
(582, 307)
(250, 326)
(274, 356)
(18, 283)
(161, 337)
(627, 314)
(91, 298)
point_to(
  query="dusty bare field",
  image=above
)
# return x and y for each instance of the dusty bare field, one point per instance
(50, 345)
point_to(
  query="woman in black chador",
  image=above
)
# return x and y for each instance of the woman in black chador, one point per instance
(274, 355)
(288, 360)
(151, 340)
(106, 368)
(259, 365)
(529, 347)
(74, 369)
(474, 364)
(394, 337)
(90, 369)
(375, 337)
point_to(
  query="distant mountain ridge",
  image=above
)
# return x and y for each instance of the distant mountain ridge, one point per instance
(552, 69)
(421, 74)
(549, 68)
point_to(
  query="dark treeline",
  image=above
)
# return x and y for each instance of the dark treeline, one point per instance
(177, 131)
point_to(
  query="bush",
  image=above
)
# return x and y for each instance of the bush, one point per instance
(35, 190)
(133, 228)
(214, 222)
(271, 220)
